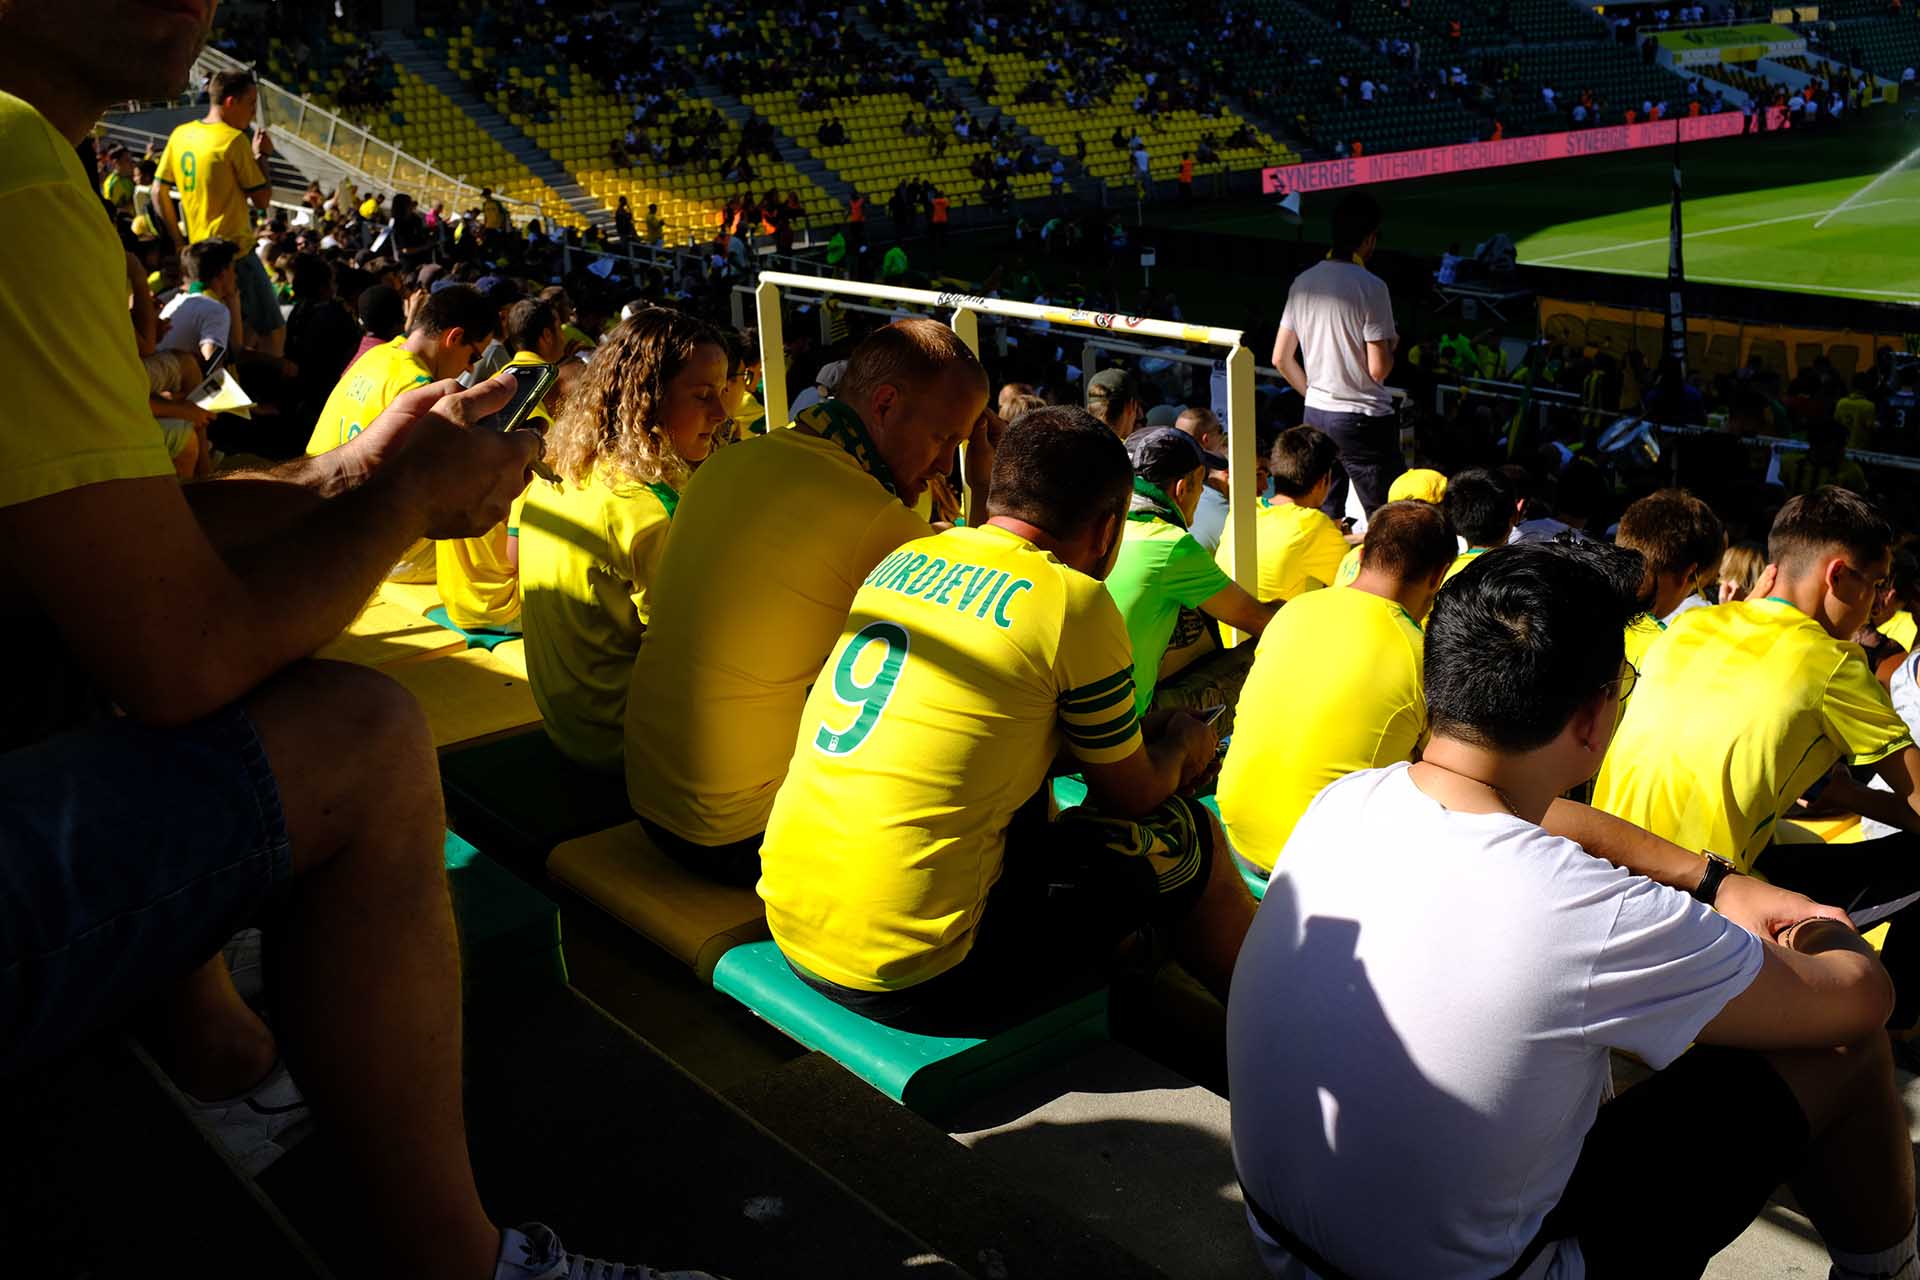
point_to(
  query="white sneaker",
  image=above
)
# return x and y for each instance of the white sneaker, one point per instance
(260, 1125)
(533, 1252)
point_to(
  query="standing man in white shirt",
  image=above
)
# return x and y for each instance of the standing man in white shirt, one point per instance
(1421, 1016)
(1335, 347)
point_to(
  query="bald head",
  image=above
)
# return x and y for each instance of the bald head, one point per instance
(1203, 426)
(920, 391)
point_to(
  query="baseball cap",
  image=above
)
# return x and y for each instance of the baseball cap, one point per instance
(1420, 483)
(830, 374)
(427, 273)
(1113, 384)
(1165, 452)
(1163, 415)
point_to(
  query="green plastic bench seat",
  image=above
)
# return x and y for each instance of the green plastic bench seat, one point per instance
(477, 638)
(517, 797)
(932, 1075)
(509, 931)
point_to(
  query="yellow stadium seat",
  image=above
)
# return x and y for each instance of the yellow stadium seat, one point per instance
(623, 873)
(472, 695)
(387, 634)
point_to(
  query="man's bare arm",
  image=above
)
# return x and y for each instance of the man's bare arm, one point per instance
(173, 629)
(1761, 909)
(1233, 606)
(1286, 358)
(1379, 360)
(169, 216)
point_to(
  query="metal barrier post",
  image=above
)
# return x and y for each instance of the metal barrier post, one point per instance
(773, 354)
(966, 327)
(1242, 501)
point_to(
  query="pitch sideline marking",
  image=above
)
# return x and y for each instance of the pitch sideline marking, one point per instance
(1690, 235)
(1904, 295)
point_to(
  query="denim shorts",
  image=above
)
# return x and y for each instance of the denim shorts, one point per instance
(259, 305)
(128, 856)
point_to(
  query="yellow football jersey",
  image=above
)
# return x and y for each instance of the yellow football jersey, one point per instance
(769, 545)
(588, 556)
(364, 391)
(968, 660)
(1738, 710)
(1300, 549)
(1335, 688)
(213, 168)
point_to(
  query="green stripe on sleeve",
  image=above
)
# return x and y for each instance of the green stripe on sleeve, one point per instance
(1111, 740)
(1084, 733)
(1092, 692)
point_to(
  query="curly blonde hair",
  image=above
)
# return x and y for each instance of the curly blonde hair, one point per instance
(609, 419)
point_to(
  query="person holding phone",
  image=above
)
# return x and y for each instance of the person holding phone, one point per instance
(178, 767)
(621, 450)
(479, 578)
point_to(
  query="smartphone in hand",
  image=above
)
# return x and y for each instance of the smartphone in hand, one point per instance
(533, 381)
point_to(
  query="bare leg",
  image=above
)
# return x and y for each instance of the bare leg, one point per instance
(1207, 939)
(370, 974)
(211, 1044)
(1857, 1186)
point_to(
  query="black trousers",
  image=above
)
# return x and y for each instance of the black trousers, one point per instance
(1369, 457)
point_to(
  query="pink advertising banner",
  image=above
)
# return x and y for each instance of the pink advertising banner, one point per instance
(1392, 166)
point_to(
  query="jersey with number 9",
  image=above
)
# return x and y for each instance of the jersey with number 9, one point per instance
(969, 659)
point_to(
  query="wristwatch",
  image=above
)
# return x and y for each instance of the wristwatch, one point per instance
(1718, 869)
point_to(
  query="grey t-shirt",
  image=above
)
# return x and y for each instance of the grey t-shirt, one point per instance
(1337, 308)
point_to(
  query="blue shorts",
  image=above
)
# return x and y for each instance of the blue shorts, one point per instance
(259, 305)
(128, 856)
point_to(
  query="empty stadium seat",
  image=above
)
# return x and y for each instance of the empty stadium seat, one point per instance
(695, 920)
(933, 1075)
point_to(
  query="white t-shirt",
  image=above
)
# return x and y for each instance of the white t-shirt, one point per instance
(194, 318)
(1418, 1033)
(1337, 308)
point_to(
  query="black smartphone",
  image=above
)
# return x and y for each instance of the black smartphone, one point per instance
(534, 381)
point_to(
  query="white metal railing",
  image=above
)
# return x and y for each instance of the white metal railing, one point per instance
(330, 142)
(965, 312)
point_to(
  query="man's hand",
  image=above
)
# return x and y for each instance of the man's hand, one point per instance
(1764, 910)
(1191, 736)
(262, 145)
(988, 429)
(461, 480)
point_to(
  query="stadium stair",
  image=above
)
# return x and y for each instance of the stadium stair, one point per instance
(427, 62)
(964, 91)
(787, 147)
